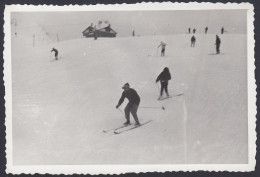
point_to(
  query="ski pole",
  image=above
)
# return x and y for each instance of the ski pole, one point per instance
(158, 87)
(121, 111)
(163, 108)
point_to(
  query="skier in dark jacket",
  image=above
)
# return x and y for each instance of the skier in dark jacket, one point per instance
(133, 104)
(222, 30)
(164, 77)
(55, 53)
(206, 30)
(193, 41)
(217, 44)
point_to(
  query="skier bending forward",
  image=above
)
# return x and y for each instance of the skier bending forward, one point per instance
(55, 53)
(132, 106)
(164, 77)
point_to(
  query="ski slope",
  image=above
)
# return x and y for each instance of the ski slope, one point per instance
(60, 108)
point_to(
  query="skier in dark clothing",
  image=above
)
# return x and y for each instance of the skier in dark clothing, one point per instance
(164, 77)
(95, 35)
(193, 40)
(133, 104)
(55, 53)
(217, 44)
(194, 31)
(189, 30)
(222, 30)
(206, 30)
(163, 48)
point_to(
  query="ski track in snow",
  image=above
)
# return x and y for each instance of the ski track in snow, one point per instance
(60, 108)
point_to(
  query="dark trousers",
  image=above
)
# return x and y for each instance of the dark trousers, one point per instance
(162, 52)
(133, 109)
(217, 49)
(164, 87)
(192, 43)
(56, 56)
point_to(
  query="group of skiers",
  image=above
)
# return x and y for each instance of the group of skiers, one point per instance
(134, 98)
(194, 30)
(193, 41)
(206, 30)
(217, 43)
(163, 77)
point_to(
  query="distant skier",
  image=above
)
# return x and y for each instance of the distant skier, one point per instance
(55, 53)
(164, 77)
(194, 30)
(217, 44)
(133, 33)
(222, 30)
(193, 41)
(162, 45)
(206, 30)
(133, 104)
(189, 30)
(95, 35)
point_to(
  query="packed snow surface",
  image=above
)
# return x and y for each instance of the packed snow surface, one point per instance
(60, 108)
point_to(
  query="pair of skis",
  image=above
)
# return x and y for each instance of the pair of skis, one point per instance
(163, 98)
(121, 129)
(53, 60)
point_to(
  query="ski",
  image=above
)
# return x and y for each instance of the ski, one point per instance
(53, 60)
(163, 98)
(123, 126)
(125, 130)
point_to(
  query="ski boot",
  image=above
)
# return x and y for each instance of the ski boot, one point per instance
(127, 123)
(137, 124)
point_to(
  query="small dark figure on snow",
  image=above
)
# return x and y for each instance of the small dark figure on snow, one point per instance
(162, 45)
(189, 30)
(133, 104)
(206, 30)
(164, 77)
(194, 30)
(222, 30)
(55, 53)
(193, 41)
(133, 33)
(217, 44)
(95, 36)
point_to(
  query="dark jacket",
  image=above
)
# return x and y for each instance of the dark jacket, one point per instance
(218, 41)
(131, 95)
(164, 76)
(55, 51)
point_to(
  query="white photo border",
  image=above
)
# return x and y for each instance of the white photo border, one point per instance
(121, 169)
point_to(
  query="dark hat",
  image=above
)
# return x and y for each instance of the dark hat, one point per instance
(125, 86)
(166, 69)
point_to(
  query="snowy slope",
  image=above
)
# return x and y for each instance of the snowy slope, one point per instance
(60, 108)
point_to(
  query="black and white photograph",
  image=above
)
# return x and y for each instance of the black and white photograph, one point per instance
(110, 89)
